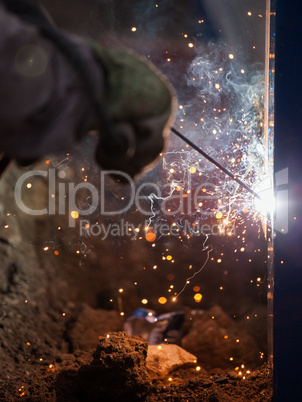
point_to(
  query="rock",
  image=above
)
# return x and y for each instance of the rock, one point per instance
(213, 338)
(161, 359)
(117, 372)
(90, 325)
(222, 379)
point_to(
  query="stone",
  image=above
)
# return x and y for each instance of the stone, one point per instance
(222, 379)
(161, 359)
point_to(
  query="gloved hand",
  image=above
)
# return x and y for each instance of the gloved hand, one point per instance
(141, 105)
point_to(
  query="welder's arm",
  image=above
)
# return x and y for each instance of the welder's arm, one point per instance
(44, 107)
(140, 103)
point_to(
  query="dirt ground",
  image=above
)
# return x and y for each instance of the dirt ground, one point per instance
(45, 357)
(54, 323)
(117, 371)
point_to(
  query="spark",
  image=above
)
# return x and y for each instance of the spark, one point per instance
(208, 249)
(74, 214)
(162, 300)
(198, 297)
(150, 237)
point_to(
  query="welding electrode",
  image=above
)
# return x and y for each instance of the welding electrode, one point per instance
(209, 158)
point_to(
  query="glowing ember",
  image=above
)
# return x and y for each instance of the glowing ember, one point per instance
(198, 297)
(151, 237)
(74, 214)
(162, 300)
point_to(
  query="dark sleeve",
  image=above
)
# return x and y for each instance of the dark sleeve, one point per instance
(44, 107)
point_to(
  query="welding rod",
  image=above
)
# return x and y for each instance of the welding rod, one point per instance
(208, 157)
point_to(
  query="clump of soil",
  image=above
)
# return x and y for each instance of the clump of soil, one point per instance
(117, 371)
(213, 333)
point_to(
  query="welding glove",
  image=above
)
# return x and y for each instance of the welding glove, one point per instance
(141, 104)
